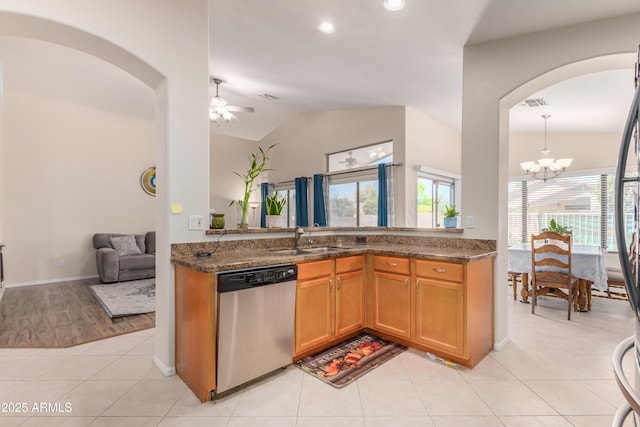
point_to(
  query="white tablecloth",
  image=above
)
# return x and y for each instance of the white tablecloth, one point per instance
(587, 262)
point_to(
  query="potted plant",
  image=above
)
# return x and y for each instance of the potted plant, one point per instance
(555, 226)
(258, 163)
(274, 210)
(450, 213)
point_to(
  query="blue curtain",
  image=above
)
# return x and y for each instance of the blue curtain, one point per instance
(264, 192)
(302, 206)
(383, 213)
(319, 212)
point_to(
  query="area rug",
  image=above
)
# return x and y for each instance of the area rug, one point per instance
(351, 359)
(127, 298)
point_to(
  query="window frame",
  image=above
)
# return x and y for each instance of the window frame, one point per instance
(291, 200)
(437, 176)
(355, 176)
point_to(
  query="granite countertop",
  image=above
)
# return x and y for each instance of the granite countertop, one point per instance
(214, 261)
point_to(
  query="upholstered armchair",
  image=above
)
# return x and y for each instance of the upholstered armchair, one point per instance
(122, 257)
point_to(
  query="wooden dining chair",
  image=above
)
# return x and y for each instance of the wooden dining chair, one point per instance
(551, 269)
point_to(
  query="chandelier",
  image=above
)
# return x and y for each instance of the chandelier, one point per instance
(546, 167)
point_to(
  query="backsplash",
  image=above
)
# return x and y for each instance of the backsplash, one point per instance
(347, 240)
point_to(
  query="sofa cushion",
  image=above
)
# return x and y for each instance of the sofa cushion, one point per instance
(150, 242)
(125, 245)
(137, 262)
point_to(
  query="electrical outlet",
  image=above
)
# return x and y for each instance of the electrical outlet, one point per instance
(60, 263)
(196, 222)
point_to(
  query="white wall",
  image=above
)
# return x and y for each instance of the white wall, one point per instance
(428, 143)
(70, 171)
(304, 141)
(165, 45)
(496, 75)
(228, 155)
(588, 150)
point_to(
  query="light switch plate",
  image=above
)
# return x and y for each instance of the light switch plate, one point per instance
(468, 222)
(196, 222)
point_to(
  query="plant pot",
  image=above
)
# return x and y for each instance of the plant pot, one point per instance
(450, 222)
(275, 221)
(217, 221)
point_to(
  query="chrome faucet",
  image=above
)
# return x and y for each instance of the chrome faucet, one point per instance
(299, 232)
(311, 231)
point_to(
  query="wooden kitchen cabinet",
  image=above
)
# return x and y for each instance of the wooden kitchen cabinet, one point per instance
(350, 293)
(391, 296)
(195, 348)
(329, 301)
(439, 314)
(436, 306)
(314, 305)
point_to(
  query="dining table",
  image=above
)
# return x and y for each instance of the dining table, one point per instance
(587, 264)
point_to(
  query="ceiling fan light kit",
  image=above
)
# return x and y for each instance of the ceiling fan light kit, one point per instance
(219, 111)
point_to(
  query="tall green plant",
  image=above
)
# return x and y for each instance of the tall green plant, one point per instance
(258, 165)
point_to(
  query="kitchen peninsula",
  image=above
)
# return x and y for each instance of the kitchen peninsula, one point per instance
(431, 293)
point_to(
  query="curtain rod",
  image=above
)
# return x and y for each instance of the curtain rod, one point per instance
(291, 181)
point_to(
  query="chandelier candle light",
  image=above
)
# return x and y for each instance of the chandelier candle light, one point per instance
(546, 167)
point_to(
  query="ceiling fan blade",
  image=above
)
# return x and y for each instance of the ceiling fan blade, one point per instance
(240, 109)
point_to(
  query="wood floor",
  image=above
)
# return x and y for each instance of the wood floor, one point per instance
(60, 315)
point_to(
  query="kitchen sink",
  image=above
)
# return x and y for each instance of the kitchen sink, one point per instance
(302, 251)
(322, 250)
(289, 252)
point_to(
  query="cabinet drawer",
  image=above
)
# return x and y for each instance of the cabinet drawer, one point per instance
(310, 270)
(440, 270)
(349, 263)
(391, 264)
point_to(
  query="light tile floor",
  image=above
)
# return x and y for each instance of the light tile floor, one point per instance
(552, 373)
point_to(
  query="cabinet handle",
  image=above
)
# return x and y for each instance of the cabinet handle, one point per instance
(406, 283)
(330, 285)
(417, 283)
(339, 283)
(392, 264)
(440, 270)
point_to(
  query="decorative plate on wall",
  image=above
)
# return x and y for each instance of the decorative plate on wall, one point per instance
(148, 181)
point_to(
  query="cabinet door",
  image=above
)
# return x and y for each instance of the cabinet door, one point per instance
(391, 304)
(439, 315)
(350, 314)
(314, 313)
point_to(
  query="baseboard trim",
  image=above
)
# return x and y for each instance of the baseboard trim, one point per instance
(48, 281)
(165, 370)
(500, 345)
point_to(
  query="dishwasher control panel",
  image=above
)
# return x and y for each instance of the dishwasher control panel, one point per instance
(244, 279)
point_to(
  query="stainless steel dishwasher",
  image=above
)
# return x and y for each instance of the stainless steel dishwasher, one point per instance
(256, 310)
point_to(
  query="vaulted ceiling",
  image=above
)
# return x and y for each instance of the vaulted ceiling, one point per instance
(375, 57)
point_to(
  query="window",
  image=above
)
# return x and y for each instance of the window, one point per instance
(353, 185)
(369, 155)
(435, 190)
(583, 203)
(289, 210)
(353, 201)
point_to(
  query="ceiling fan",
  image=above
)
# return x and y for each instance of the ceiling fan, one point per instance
(219, 111)
(350, 161)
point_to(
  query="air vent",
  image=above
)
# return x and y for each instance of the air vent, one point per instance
(268, 96)
(535, 102)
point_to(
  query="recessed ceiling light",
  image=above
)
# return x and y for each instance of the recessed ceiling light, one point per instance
(393, 4)
(326, 27)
